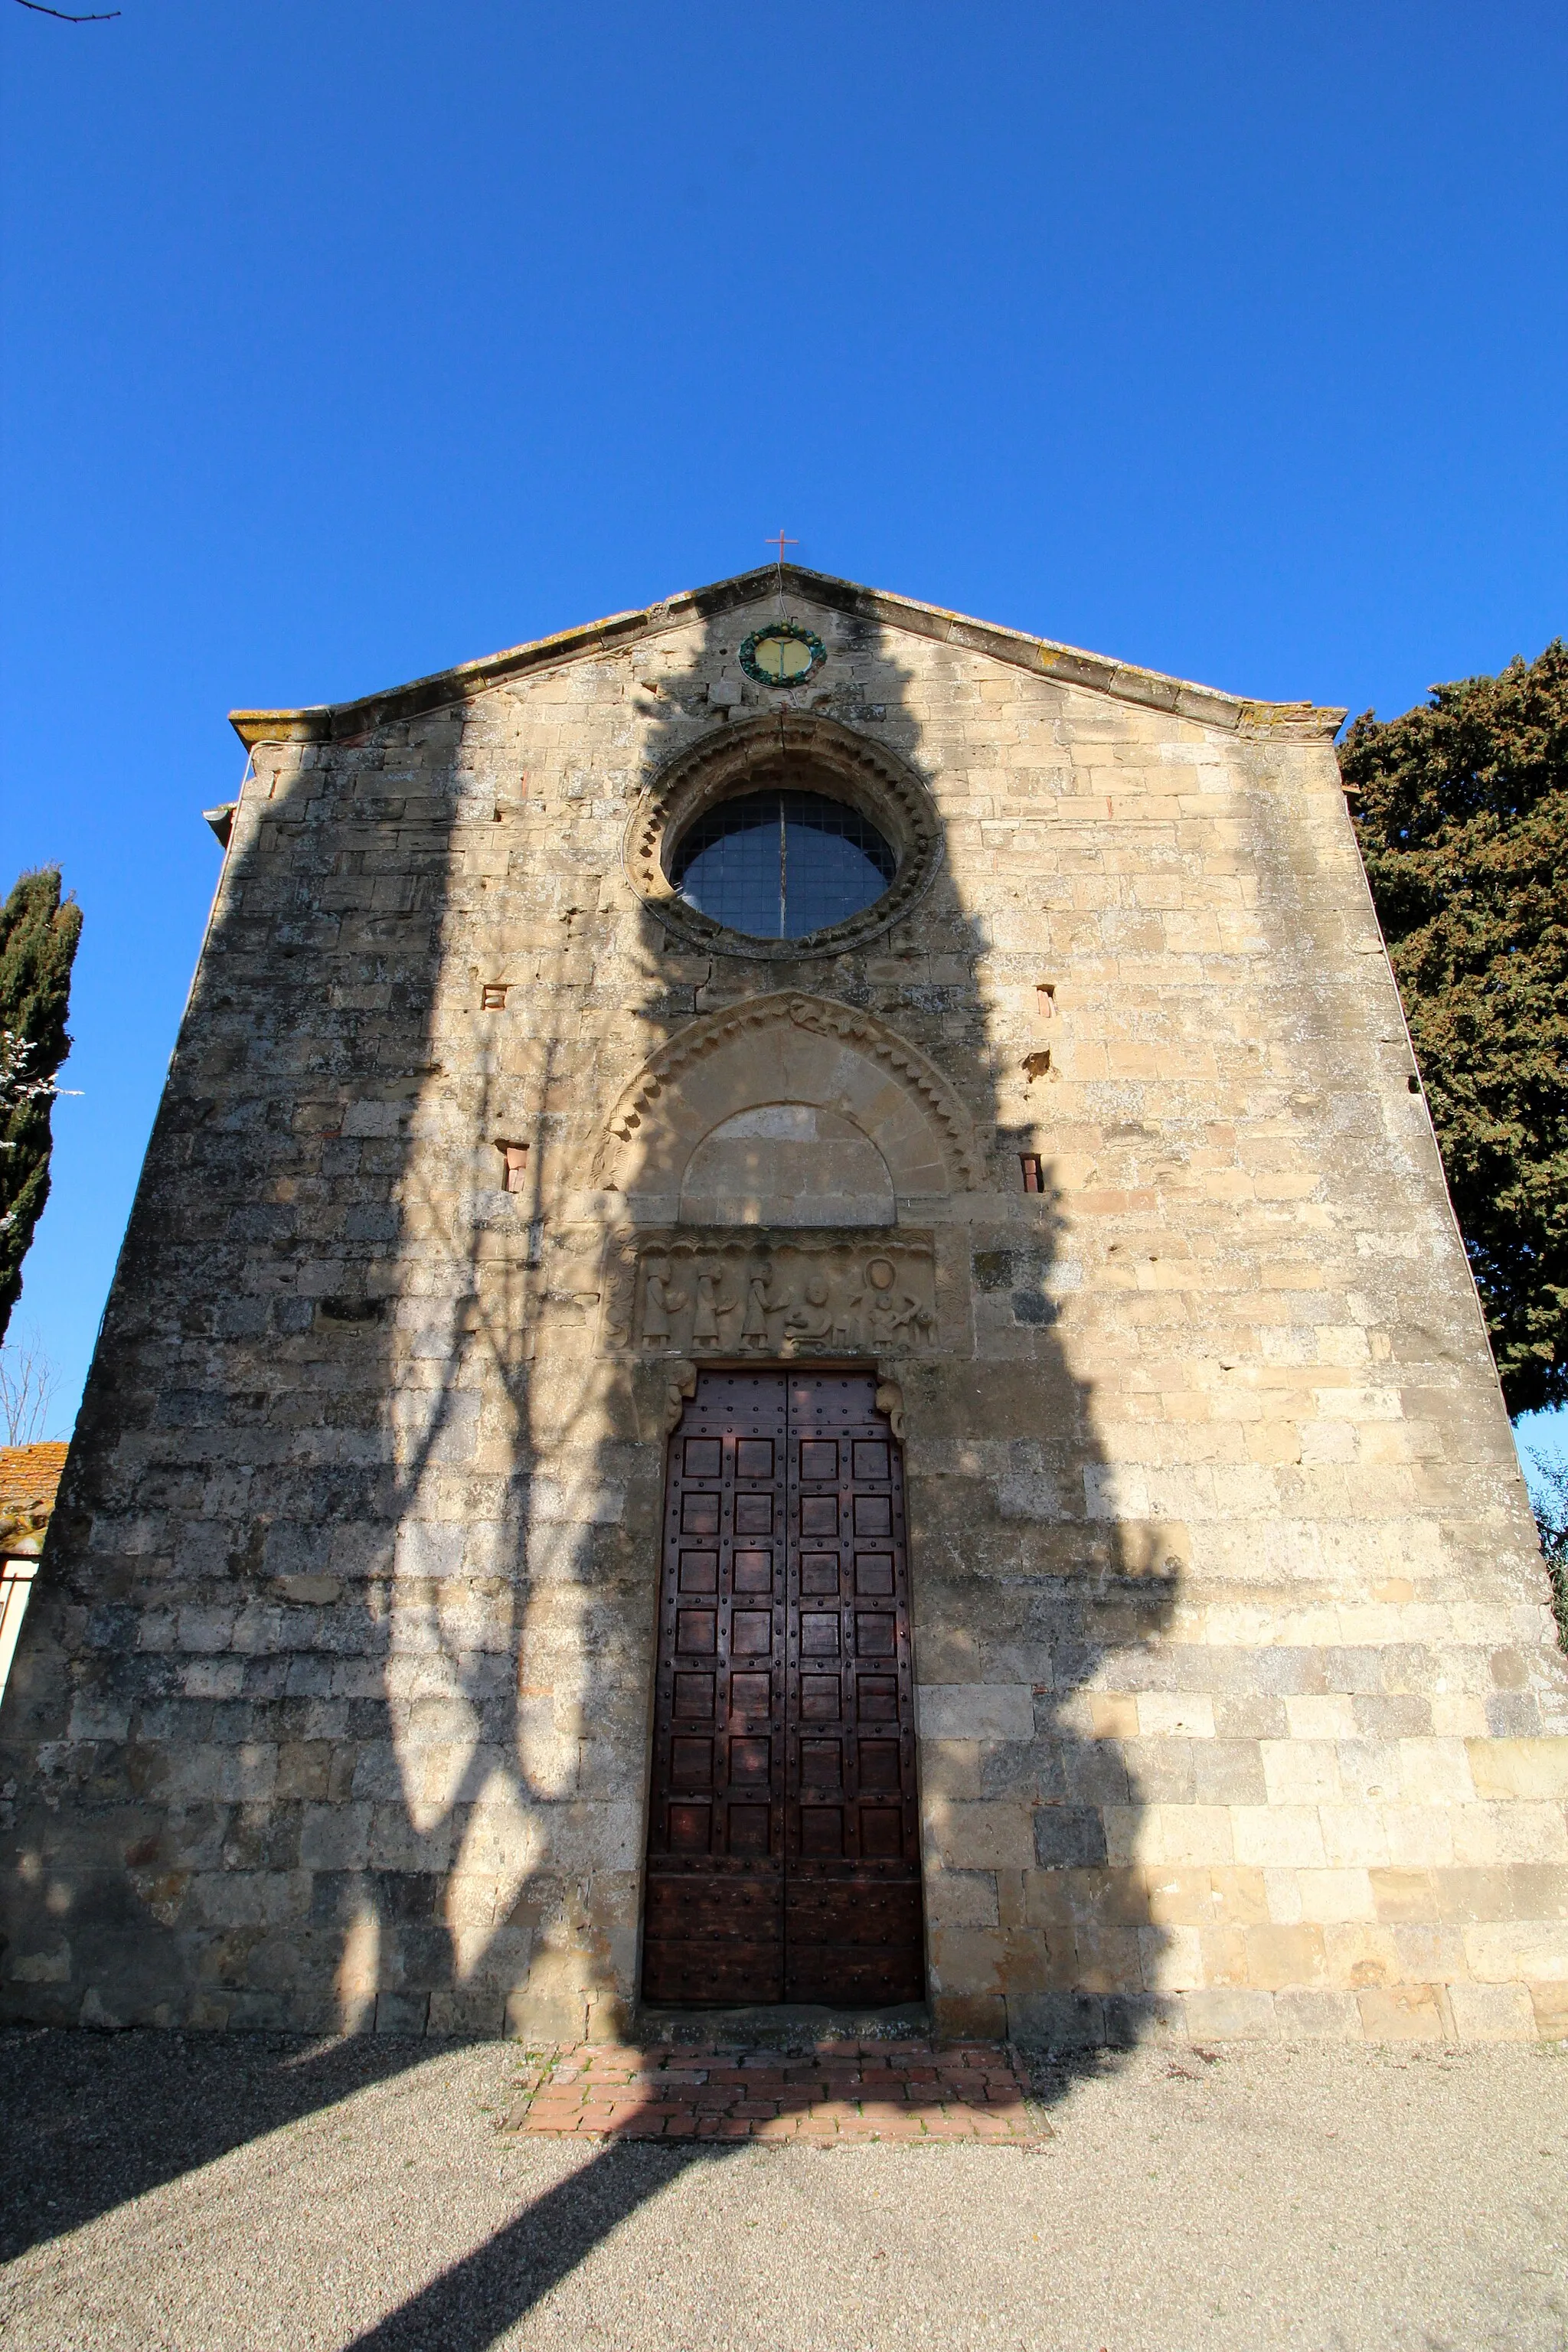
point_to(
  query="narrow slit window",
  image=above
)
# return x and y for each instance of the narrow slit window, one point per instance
(1033, 1170)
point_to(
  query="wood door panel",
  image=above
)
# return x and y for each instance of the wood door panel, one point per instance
(842, 1976)
(855, 1909)
(738, 1908)
(853, 1939)
(713, 1937)
(782, 1836)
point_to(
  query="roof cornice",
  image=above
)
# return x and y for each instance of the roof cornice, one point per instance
(1124, 681)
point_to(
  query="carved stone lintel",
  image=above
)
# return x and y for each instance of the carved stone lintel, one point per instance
(744, 1292)
(890, 1400)
(682, 1384)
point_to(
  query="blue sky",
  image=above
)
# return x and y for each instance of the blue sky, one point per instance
(341, 342)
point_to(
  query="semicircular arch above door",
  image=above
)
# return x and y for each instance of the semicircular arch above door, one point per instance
(878, 1099)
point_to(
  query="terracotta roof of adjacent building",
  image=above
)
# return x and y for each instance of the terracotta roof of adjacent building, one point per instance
(30, 1476)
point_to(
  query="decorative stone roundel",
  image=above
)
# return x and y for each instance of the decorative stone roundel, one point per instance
(797, 751)
(784, 654)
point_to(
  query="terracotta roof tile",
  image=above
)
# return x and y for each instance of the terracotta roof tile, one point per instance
(30, 1474)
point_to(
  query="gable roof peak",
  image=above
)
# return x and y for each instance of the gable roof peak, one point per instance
(1069, 665)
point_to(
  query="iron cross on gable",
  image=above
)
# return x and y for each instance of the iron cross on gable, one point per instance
(783, 541)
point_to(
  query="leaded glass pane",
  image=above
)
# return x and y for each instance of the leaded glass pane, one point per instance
(780, 864)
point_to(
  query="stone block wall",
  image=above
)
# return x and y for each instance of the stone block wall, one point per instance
(1240, 1708)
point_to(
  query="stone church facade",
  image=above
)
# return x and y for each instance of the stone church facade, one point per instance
(947, 1455)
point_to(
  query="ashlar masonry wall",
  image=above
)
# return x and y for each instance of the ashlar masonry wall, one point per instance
(1240, 1709)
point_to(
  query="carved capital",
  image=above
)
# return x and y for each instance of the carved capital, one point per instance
(682, 1384)
(890, 1400)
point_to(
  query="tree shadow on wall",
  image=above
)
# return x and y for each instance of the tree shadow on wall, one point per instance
(274, 1760)
(1040, 1579)
(1027, 1585)
(351, 1380)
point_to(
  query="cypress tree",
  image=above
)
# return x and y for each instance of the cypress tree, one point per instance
(38, 937)
(1461, 808)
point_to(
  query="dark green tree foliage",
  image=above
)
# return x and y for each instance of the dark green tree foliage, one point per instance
(38, 941)
(1461, 807)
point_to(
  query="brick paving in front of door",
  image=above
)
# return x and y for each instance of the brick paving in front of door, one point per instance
(834, 2094)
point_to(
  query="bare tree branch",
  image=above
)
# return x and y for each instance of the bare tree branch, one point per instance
(28, 1384)
(38, 9)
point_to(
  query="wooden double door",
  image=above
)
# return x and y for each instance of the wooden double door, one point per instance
(784, 1859)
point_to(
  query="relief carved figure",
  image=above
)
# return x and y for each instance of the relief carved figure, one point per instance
(661, 1299)
(887, 1308)
(712, 1305)
(760, 1307)
(811, 1320)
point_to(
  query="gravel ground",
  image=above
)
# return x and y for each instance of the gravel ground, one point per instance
(163, 2191)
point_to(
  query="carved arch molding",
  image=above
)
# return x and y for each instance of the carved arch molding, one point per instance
(785, 1049)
